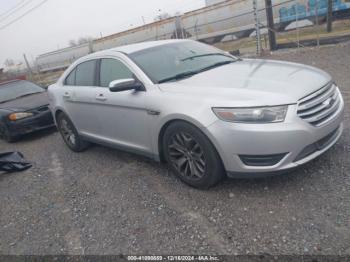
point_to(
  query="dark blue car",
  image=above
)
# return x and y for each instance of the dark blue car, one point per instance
(23, 109)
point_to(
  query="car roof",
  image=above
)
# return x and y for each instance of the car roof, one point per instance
(145, 45)
(128, 49)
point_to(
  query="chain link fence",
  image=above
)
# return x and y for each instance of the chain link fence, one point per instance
(296, 24)
(304, 24)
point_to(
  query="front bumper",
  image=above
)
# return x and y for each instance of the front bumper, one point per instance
(37, 122)
(289, 142)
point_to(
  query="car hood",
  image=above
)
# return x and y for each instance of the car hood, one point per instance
(27, 102)
(252, 82)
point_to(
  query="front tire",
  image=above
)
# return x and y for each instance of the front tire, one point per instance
(192, 156)
(70, 134)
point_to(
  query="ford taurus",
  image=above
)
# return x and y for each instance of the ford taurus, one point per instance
(205, 112)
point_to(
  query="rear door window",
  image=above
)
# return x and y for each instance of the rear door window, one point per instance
(85, 74)
(113, 69)
(70, 80)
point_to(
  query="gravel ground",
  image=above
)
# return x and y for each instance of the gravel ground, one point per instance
(104, 201)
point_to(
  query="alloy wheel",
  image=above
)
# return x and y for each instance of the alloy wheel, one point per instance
(67, 132)
(187, 156)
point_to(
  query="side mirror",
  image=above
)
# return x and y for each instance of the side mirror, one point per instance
(125, 84)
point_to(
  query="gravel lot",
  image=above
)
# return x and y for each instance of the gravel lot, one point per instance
(104, 201)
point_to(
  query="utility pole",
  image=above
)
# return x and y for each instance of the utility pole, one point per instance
(329, 16)
(28, 67)
(270, 25)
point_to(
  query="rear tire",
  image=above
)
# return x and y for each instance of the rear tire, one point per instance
(192, 156)
(70, 134)
(5, 134)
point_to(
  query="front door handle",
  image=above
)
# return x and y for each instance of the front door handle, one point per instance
(66, 95)
(101, 97)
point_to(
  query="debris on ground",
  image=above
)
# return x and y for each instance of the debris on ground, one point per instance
(13, 162)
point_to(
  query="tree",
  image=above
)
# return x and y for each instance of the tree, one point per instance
(72, 43)
(84, 40)
(80, 41)
(9, 62)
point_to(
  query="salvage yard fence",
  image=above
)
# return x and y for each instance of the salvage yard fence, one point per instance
(272, 25)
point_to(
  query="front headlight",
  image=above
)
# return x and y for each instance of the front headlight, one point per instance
(253, 114)
(18, 116)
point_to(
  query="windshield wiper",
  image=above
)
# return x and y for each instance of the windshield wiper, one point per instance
(216, 65)
(9, 100)
(192, 73)
(178, 76)
(203, 55)
(5, 101)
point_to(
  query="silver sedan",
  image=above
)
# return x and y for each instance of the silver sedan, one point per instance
(205, 112)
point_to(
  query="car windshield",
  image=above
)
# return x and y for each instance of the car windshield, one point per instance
(176, 61)
(13, 90)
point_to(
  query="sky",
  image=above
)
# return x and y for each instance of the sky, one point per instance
(51, 25)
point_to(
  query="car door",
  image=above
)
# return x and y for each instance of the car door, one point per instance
(122, 116)
(77, 94)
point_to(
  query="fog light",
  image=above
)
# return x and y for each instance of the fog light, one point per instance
(262, 160)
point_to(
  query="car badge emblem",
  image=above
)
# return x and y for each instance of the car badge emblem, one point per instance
(328, 103)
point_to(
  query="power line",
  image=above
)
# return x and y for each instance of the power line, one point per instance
(13, 10)
(24, 14)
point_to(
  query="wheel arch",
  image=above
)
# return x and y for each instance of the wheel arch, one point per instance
(194, 123)
(56, 112)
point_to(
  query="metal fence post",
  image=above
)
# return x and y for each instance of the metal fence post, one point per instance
(329, 16)
(270, 25)
(257, 28)
(317, 24)
(297, 25)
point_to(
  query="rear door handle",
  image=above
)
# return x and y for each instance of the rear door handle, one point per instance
(101, 97)
(66, 95)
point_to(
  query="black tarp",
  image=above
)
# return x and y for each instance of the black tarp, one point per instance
(13, 162)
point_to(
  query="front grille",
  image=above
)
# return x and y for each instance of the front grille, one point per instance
(321, 106)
